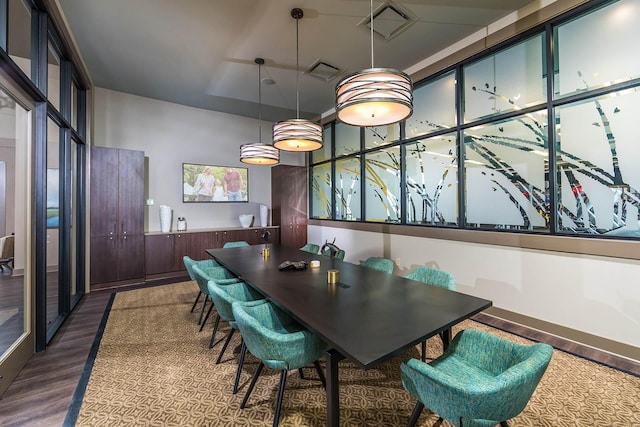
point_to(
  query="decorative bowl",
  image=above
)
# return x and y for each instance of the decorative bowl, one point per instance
(246, 220)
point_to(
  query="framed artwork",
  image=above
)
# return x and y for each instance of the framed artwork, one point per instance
(214, 184)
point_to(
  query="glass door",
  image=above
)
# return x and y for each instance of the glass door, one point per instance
(16, 188)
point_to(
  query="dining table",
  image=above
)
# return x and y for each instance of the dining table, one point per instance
(366, 316)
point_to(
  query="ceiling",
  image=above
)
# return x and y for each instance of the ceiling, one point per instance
(201, 53)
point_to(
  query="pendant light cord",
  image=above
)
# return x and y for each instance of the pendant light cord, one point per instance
(298, 71)
(371, 22)
(259, 102)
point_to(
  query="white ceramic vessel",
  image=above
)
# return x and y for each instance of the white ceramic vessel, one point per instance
(246, 220)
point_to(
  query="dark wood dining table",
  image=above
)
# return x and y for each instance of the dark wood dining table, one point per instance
(368, 316)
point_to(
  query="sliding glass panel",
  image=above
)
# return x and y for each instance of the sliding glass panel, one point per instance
(382, 186)
(347, 139)
(378, 136)
(325, 152)
(598, 49)
(74, 105)
(321, 199)
(598, 163)
(434, 107)
(347, 198)
(53, 77)
(19, 34)
(73, 210)
(506, 171)
(432, 181)
(511, 79)
(53, 220)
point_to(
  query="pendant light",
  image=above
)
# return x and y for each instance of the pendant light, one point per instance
(374, 96)
(259, 153)
(297, 134)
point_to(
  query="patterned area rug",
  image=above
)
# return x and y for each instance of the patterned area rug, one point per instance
(153, 367)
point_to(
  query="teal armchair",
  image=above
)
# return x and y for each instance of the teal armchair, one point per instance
(202, 277)
(237, 244)
(204, 265)
(311, 248)
(480, 380)
(377, 263)
(223, 296)
(434, 277)
(279, 342)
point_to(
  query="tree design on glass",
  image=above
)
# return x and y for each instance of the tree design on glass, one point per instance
(376, 171)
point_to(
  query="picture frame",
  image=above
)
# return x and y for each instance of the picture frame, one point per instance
(203, 183)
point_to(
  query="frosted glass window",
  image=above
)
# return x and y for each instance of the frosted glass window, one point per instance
(598, 162)
(432, 181)
(347, 139)
(347, 198)
(378, 136)
(434, 107)
(321, 199)
(506, 167)
(598, 49)
(382, 186)
(511, 79)
(323, 153)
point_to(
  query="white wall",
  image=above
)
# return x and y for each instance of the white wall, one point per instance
(172, 134)
(595, 295)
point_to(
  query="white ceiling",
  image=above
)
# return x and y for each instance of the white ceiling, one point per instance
(201, 52)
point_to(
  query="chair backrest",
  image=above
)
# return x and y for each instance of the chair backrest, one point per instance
(203, 276)
(225, 295)
(378, 263)
(235, 244)
(434, 277)
(189, 264)
(311, 248)
(6, 243)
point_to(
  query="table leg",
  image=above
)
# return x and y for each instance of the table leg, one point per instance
(333, 391)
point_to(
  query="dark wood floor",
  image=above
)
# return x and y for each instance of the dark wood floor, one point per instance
(41, 393)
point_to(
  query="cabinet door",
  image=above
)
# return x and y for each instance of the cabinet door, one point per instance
(184, 245)
(159, 253)
(289, 200)
(104, 192)
(231, 236)
(104, 259)
(130, 257)
(130, 192)
(201, 242)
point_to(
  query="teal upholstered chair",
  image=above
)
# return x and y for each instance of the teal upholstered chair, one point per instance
(237, 244)
(434, 277)
(311, 248)
(202, 277)
(204, 265)
(377, 263)
(279, 342)
(223, 296)
(480, 380)
(339, 254)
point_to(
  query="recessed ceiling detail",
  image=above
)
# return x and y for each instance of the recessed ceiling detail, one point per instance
(322, 70)
(389, 20)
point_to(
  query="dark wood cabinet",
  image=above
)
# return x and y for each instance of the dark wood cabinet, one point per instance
(116, 215)
(164, 252)
(289, 203)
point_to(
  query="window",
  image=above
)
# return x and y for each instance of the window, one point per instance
(508, 165)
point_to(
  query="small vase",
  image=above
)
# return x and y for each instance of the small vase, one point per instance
(165, 218)
(264, 215)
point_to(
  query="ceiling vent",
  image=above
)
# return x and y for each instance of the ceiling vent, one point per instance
(389, 20)
(322, 70)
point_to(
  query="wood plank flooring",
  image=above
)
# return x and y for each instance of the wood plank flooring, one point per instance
(41, 393)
